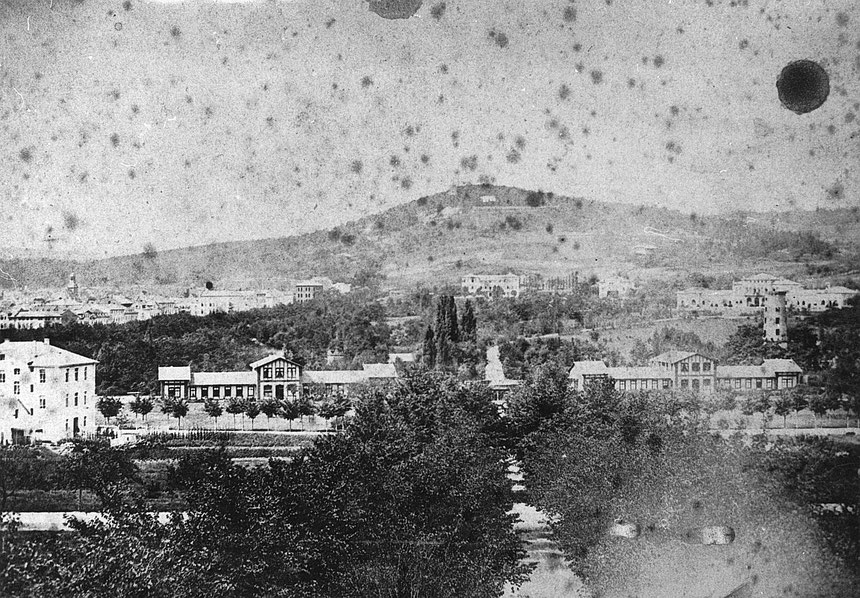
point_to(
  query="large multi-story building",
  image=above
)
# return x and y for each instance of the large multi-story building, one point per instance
(275, 376)
(749, 295)
(687, 370)
(46, 393)
(491, 285)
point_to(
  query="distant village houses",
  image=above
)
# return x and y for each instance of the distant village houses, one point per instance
(27, 313)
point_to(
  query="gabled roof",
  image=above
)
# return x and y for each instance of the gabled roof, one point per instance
(174, 373)
(270, 359)
(588, 368)
(247, 378)
(768, 369)
(673, 356)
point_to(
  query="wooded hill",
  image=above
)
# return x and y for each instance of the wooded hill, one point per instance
(438, 238)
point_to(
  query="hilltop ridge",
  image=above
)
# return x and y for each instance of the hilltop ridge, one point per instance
(482, 229)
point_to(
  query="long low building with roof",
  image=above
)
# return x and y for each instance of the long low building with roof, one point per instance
(688, 370)
(275, 376)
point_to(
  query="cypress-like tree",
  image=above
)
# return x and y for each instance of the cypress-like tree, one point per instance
(429, 348)
(452, 320)
(468, 322)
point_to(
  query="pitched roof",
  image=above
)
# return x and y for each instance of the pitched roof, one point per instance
(380, 370)
(588, 368)
(639, 373)
(672, 356)
(174, 373)
(334, 376)
(223, 378)
(271, 358)
(782, 365)
(768, 369)
(40, 354)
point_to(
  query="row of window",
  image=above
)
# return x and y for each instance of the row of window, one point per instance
(43, 375)
(216, 392)
(643, 384)
(292, 372)
(694, 366)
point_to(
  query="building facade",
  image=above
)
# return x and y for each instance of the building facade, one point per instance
(491, 285)
(46, 393)
(689, 371)
(749, 295)
(276, 377)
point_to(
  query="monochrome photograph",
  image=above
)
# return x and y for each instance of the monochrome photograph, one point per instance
(429, 298)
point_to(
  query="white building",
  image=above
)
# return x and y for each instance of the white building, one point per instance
(749, 295)
(46, 393)
(490, 285)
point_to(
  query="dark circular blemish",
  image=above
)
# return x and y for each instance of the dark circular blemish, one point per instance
(395, 9)
(803, 86)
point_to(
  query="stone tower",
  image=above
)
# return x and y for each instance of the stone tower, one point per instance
(775, 318)
(72, 290)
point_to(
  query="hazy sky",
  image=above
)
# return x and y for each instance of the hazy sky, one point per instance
(182, 123)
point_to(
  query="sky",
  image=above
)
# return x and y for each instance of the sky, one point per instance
(176, 123)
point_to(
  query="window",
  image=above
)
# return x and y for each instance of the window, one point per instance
(267, 372)
(16, 371)
(768, 383)
(2, 377)
(292, 371)
(776, 332)
(239, 390)
(67, 399)
(76, 399)
(67, 425)
(41, 376)
(695, 384)
(85, 397)
(251, 391)
(193, 392)
(696, 366)
(776, 321)
(685, 383)
(85, 373)
(67, 375)
(85, 421)
(228, 391)
(216, 392)
(16, 388)
(758, 382)
(267, 390)
(622, 385)
(76, 374)
(42, 404)
(204, 392)
(737, 383)
(31, 388)
(685, 367)
(665, 384)
(706, 366)
(279, 371)
(706, 382)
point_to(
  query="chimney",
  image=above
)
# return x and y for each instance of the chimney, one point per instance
(47, 341)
